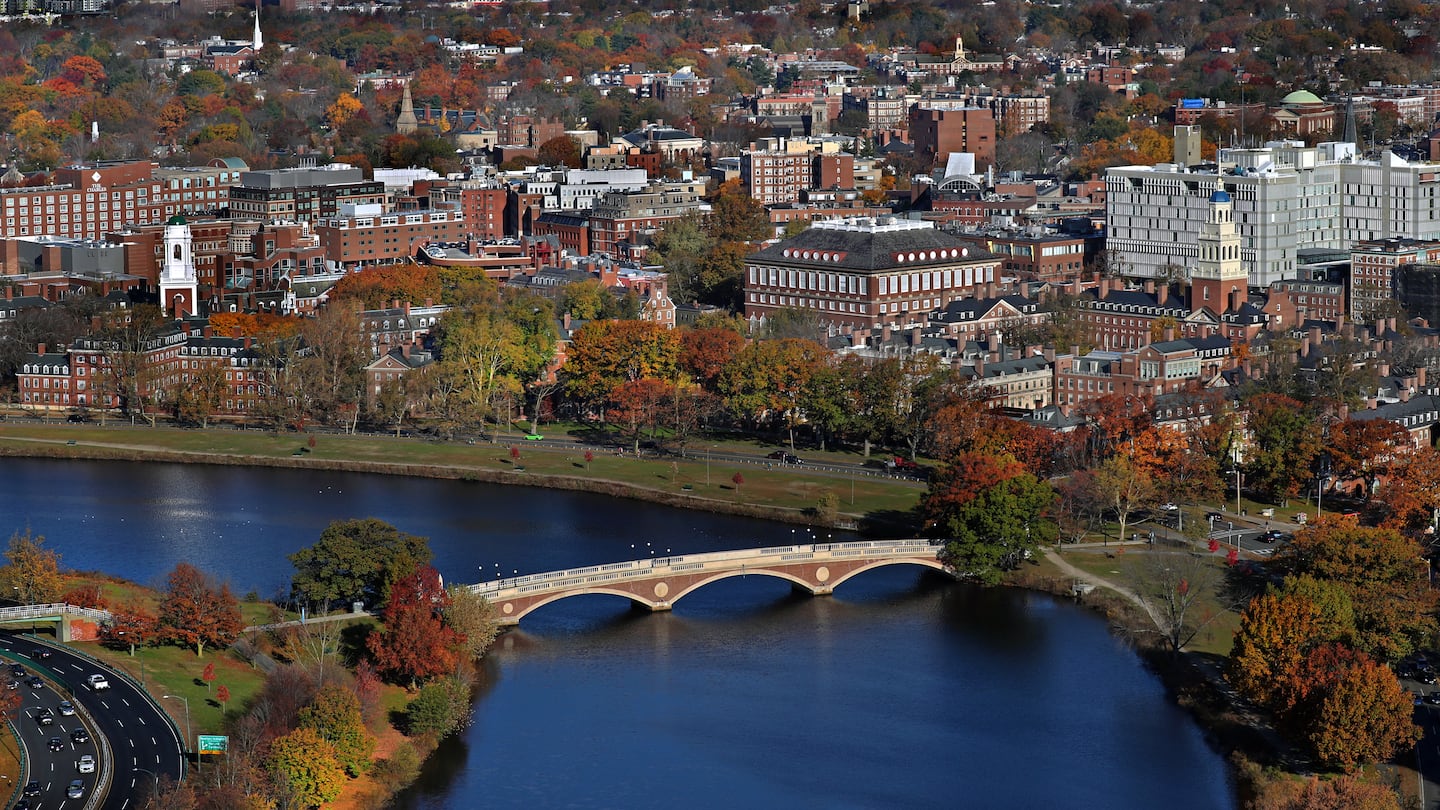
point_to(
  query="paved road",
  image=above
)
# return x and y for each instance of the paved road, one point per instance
(1427, 751)
(52, 769)
(143, 743)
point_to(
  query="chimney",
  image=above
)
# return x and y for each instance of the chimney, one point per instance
(980, 365)
(1314, 335)
(1305, 345)
(885, 334)
(1169, 333)
(1404, 394)
(205, 331)
(565, 321)
(1237, 300)
(405, 350)
(1384, 369)
(40, 348)
(247, 341)
(9, 293)
(1074, 349)
(1420, 377)
(1149, 286)
(1162, 294)
(914, 336)
(859, 336)
(235, 332)
(1344, 412)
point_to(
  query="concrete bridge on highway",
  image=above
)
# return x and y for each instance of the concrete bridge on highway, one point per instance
(658, 583)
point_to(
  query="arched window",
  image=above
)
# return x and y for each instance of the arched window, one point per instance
(177, 253)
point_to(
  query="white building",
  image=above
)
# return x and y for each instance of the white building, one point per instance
(1287, 197)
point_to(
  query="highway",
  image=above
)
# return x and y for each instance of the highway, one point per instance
(142, 743)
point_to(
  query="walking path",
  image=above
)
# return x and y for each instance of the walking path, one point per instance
(1097, 580)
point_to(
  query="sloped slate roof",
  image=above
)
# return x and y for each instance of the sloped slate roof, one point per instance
(870, 252)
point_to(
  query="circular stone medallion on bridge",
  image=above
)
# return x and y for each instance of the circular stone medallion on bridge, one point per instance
(661, 590)
(822, 574)
(508, 608)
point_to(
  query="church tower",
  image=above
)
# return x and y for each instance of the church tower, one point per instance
(256, 42)
(179, 291)
(1218, 280)
(406, 123)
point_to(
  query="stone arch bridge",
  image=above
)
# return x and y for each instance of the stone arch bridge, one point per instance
(658, 583)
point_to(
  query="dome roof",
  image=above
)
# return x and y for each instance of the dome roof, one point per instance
(175, 220)
(1301, 97)
(1220, 196)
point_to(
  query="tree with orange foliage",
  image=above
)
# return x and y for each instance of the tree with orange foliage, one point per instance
(1354, 709)
(1368, 449)
(264, 325)
(1344, 792)
(705, 351)
(1412, 495)
(379, 287)
(1385, 575)
(638, 404)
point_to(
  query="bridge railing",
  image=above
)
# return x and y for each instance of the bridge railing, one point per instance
(53, 609)
(610, 572)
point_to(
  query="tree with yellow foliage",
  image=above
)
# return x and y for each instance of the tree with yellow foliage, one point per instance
(344, 108)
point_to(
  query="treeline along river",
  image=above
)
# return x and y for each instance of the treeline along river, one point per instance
(903, 690)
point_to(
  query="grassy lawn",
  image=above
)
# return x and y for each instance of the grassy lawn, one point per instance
(780, 487)
(1127, 568)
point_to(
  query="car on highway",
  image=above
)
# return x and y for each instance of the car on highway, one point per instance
(97, 682)
(79, 736)
(1272, 535)
(533, 437)
(86, 764)
(21, 805)
(32, 788)
(785, 458)
(56, 744)
(45, 717)
(1169, 507)
(43, 653)
(67, 709)
(1433, 698)
(12, 684)
(1213, 515)
(35, 682)
(1425, 676)
(76, 790)
(17, 670)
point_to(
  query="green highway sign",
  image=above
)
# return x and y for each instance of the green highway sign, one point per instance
(212, 743)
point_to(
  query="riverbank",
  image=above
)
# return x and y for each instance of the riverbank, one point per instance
(875, 505)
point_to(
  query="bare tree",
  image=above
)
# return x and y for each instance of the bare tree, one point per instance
(1180, 589)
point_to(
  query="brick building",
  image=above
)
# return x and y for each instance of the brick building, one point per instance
(363, 235)
(938, 128)
(865, 272)
(304, 194)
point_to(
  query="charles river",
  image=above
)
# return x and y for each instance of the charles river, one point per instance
(902, 690)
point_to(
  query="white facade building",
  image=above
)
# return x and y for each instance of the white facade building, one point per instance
(1287, 197)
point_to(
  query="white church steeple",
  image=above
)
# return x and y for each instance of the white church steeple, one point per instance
(257, 42)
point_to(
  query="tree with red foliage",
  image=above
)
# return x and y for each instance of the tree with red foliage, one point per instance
(130, 625)
(738, 480)
(86, 596)
(197, 611)
(222, 696)
(416, 643)
(208, 675)
(1353, 709)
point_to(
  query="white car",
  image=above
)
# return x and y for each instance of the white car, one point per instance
(76, 790)
(97, 682)
(86, 764)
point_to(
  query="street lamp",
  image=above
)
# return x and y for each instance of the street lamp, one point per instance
(1322, 474)
(1235, 456)
(187, 718)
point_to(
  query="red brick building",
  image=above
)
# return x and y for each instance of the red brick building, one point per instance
(937, 129)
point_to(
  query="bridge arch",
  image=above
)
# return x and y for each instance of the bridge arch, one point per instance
(557, 597)
(743, 572)
(933, 565)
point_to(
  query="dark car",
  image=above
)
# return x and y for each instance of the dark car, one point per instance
(1433, 698)
(778, 454)
(32, 788)
(35, 682)
(1272, 535)
(45, 717)
(79, 736)
(786, 458)
(43, 653)
(17, 671)
(76, 419)
(56, 744)
(1213, 515)
(1425, 676)
(21, 805)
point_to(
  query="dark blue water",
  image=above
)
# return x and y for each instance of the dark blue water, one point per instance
(902, 690)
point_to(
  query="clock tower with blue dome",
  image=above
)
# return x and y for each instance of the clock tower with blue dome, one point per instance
(1218, 280)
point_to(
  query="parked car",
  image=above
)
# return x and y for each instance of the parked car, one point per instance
(86, 764)
(80, 736)
(56, 744)
(76, 790)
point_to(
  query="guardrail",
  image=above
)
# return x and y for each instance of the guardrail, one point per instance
(639, 569)
(24, 763)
